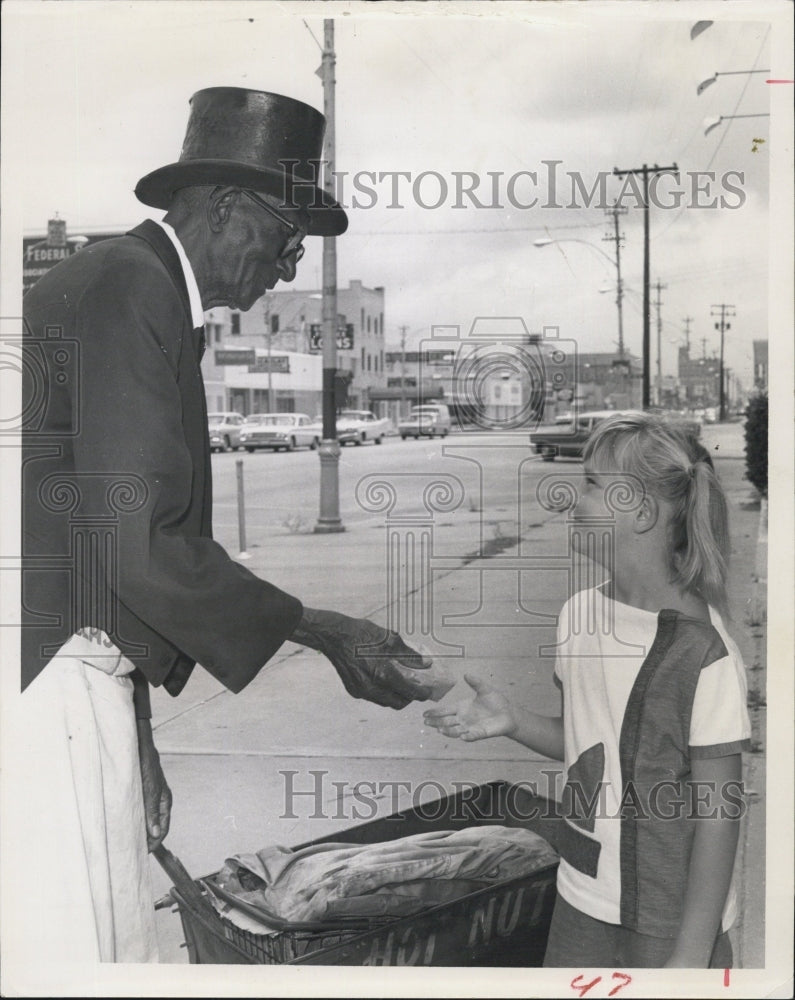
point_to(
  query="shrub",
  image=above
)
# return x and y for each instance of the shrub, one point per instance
(756, 442)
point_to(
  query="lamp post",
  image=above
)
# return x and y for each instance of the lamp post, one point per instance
(547, 241)
(732, 72)
(711, 123)
(329, 519)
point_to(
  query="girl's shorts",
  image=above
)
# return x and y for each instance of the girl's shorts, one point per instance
(579, 941)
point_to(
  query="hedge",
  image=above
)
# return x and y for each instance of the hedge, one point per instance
(756, 442)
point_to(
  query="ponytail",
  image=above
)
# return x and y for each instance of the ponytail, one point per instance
(672, 464)
(701, 562)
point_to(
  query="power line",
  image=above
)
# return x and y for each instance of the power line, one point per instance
(312, 34)
(739, 101)
(483, 229)
(720, 141)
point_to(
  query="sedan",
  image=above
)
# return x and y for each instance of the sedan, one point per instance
(224, 429)
(279, 432)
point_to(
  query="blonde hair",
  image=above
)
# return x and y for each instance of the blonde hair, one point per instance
(674, 466)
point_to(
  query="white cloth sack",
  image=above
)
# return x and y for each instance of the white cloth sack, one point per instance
(77, 848)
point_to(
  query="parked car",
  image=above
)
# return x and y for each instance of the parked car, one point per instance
(568, 439)
(551, 441)
(279, 431)
(224, 430)
(688, 421)
(427, 420)
(358, 426)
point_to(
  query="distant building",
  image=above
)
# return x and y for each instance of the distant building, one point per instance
(594, 380)
(699, 380)
(290, 322)
(606, 381)
(414, 377)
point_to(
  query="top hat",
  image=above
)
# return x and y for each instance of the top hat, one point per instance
(256, 140)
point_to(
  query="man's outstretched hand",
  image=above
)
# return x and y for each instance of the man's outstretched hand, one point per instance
(373, 673)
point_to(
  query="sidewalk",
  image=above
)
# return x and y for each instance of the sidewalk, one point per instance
(281, 762)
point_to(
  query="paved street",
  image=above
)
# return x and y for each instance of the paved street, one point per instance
(480, 572)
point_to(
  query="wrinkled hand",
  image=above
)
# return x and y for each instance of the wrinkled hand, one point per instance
(487, 714)
(157, 794)
(373, 675)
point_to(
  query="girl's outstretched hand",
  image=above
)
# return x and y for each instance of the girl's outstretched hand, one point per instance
(487, 714)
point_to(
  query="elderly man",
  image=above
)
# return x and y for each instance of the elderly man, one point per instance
(123, 585)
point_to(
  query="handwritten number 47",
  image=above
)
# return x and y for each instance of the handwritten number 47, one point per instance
(582, 988)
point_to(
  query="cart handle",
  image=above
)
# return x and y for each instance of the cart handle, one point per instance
(179, 875)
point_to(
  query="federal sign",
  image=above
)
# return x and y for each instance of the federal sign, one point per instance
(39, 255)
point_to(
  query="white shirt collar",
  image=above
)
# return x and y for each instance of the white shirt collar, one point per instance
(196, 310)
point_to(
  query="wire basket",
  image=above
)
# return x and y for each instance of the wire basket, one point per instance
(214, 939)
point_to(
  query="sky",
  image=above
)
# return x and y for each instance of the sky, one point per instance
(498, 91)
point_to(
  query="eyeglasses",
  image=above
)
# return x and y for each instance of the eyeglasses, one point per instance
(294, 245)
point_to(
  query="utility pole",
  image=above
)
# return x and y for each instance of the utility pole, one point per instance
(615, 211)
(644, 171)
(658, 304)
(329, 451)
(703, 348)
(725, 310)
(403, 371)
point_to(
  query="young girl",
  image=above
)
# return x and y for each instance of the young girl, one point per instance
(654, 713)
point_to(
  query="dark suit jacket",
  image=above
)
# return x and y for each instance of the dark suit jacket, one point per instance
(116, 477)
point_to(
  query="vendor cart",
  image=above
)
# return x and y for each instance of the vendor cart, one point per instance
(504, 924)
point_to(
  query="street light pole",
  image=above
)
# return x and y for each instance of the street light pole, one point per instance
(547, 241)
(329, 451)
(711, 123)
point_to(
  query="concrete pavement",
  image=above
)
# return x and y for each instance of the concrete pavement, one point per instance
(284, 762)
